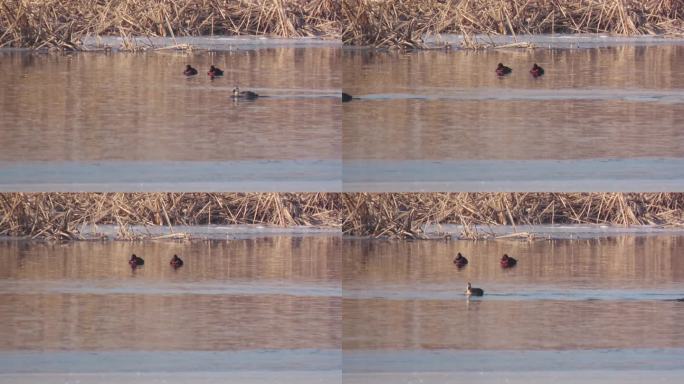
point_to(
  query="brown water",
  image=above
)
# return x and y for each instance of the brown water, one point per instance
(616, 102)
(278, 294)
(103, 107)
(616, 293)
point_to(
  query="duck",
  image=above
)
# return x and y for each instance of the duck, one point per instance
(536, 70)
(249, 95)
(213, 72)
(346, 97)
(189, 71)
(136, 261)
(470, 291)
(176, 262)
(503, 70)
(460, 260)
(507, 261)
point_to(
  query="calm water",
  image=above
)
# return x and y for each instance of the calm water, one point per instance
(103, 119)
(569, 306)
(259, 307)
(436, 119)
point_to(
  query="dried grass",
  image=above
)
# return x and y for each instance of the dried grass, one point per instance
(65, 23)
(402, 24)
(404, 215)
(61, 215)
(393, 215)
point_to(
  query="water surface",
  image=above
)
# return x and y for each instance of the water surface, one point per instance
(99, 119)
(431, 120)
(606, 305)
(255, 306)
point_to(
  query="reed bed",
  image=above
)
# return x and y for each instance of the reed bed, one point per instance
(65, 23)
(60, 216)
(402, 24)
(404, 215)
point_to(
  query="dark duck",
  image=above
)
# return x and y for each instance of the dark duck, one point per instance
(346, 97)
(502, 70)
(470, 291)
(189, 71)
(213, 72)
(537, 71)
(507, 261)
(176, 262)
(136, 261)
(249, 95)
(460, 260)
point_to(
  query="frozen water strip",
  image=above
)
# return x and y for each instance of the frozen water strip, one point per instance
(498, 292)
(513, 361)
(171, 176)
(578, 175)
(517, 94)
(114, 287)
(169, 361)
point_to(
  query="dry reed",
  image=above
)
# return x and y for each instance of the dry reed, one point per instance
(394, 215)
(402, 24)
(404, 215)
(61, 215)
(65, 23)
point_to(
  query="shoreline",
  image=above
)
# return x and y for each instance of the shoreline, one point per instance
(189, 44)
(432, 41)
(459, 42)
(549, 231)
(111, 232)
(439, 232)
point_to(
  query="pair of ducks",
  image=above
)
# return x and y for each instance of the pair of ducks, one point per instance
(136, 261)
(502, 70)
(213, 71)
(505, 262)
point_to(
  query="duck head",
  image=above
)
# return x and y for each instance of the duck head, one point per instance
(236, 91)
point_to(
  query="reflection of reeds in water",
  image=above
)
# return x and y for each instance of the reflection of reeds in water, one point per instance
(63, 24)
(61, 215)
(405, 214)
(403, 23)
(291, 259)
(612, 261)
